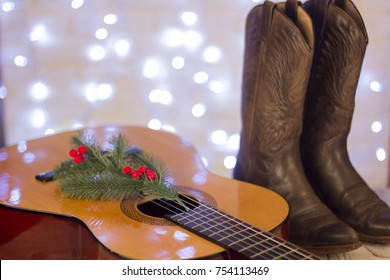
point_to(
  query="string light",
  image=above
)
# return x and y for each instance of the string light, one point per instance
(178, 62)
(152, 68)
(233, 142)
(3, 92)
(105, 91)
(201, 77)
(154, 52)
(94, 93)
(101, 33)
(154, 124)
(122, 47)
(189, 18)
(216, 86)
(110, 19)
(376, 86)
(172, 38)
(38, 33)
(20, 61)
(192, 39)
(381, 154)
(8, 6)
(230, 162)
(96, 53)
(219, 137)
(376, 126)
(39, 91)
(212, 54)
(38, 118)
(160, 96)
(198, 110)
(76, 4)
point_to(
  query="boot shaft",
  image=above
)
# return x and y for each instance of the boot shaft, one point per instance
(279, 44)
(341, 41)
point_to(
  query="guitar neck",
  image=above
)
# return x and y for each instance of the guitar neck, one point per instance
(236, 235)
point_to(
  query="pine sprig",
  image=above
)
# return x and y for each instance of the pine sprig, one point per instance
(118, 153)
(100, 174)
(141, 158)
(104, 187)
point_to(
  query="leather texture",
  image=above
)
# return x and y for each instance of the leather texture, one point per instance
(341, 41)
(279, 49)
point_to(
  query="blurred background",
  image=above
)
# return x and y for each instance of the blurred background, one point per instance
(167, 64)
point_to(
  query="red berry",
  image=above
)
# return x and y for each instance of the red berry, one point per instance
(136, 174)
(150, 174)
(78, 159)
(142, 169)
(82, 150)
(126, 169)
(73, 152)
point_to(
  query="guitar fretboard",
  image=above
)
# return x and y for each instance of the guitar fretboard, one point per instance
(231, 233)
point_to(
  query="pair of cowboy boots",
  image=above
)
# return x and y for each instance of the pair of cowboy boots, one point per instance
(301, 69)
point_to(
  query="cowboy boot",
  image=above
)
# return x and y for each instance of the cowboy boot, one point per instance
(341, 41)
(279, 44)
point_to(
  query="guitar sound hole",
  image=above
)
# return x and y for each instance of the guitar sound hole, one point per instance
(153, 211)
(159, 208)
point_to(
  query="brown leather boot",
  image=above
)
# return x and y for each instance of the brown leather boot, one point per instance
(341, 41)
(278, 56)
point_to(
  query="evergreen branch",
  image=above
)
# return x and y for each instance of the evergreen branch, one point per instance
(153, 190)
(102, 186)
(100, 174)
(118, 151)
(152, 162)
(93, 148)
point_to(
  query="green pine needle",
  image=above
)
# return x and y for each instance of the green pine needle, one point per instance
(100, 175)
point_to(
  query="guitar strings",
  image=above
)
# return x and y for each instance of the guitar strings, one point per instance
(247, 227)
(194, 203)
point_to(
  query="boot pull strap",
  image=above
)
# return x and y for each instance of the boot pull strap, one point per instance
(292, 9)
(268, 8)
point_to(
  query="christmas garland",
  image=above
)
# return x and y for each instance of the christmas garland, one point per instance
(115, 173)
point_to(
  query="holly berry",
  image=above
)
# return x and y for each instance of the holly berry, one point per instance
(136, 174)
(78, 159)
(126, 169)
(150, 174)
(78, 155)
(82, 149)
(142, 169)
(73, 152)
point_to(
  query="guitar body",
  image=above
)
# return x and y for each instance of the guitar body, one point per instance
(37, 222)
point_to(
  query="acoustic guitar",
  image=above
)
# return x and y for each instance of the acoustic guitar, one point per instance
(38, 222)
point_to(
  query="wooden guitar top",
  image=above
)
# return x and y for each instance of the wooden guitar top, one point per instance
(112, 228)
